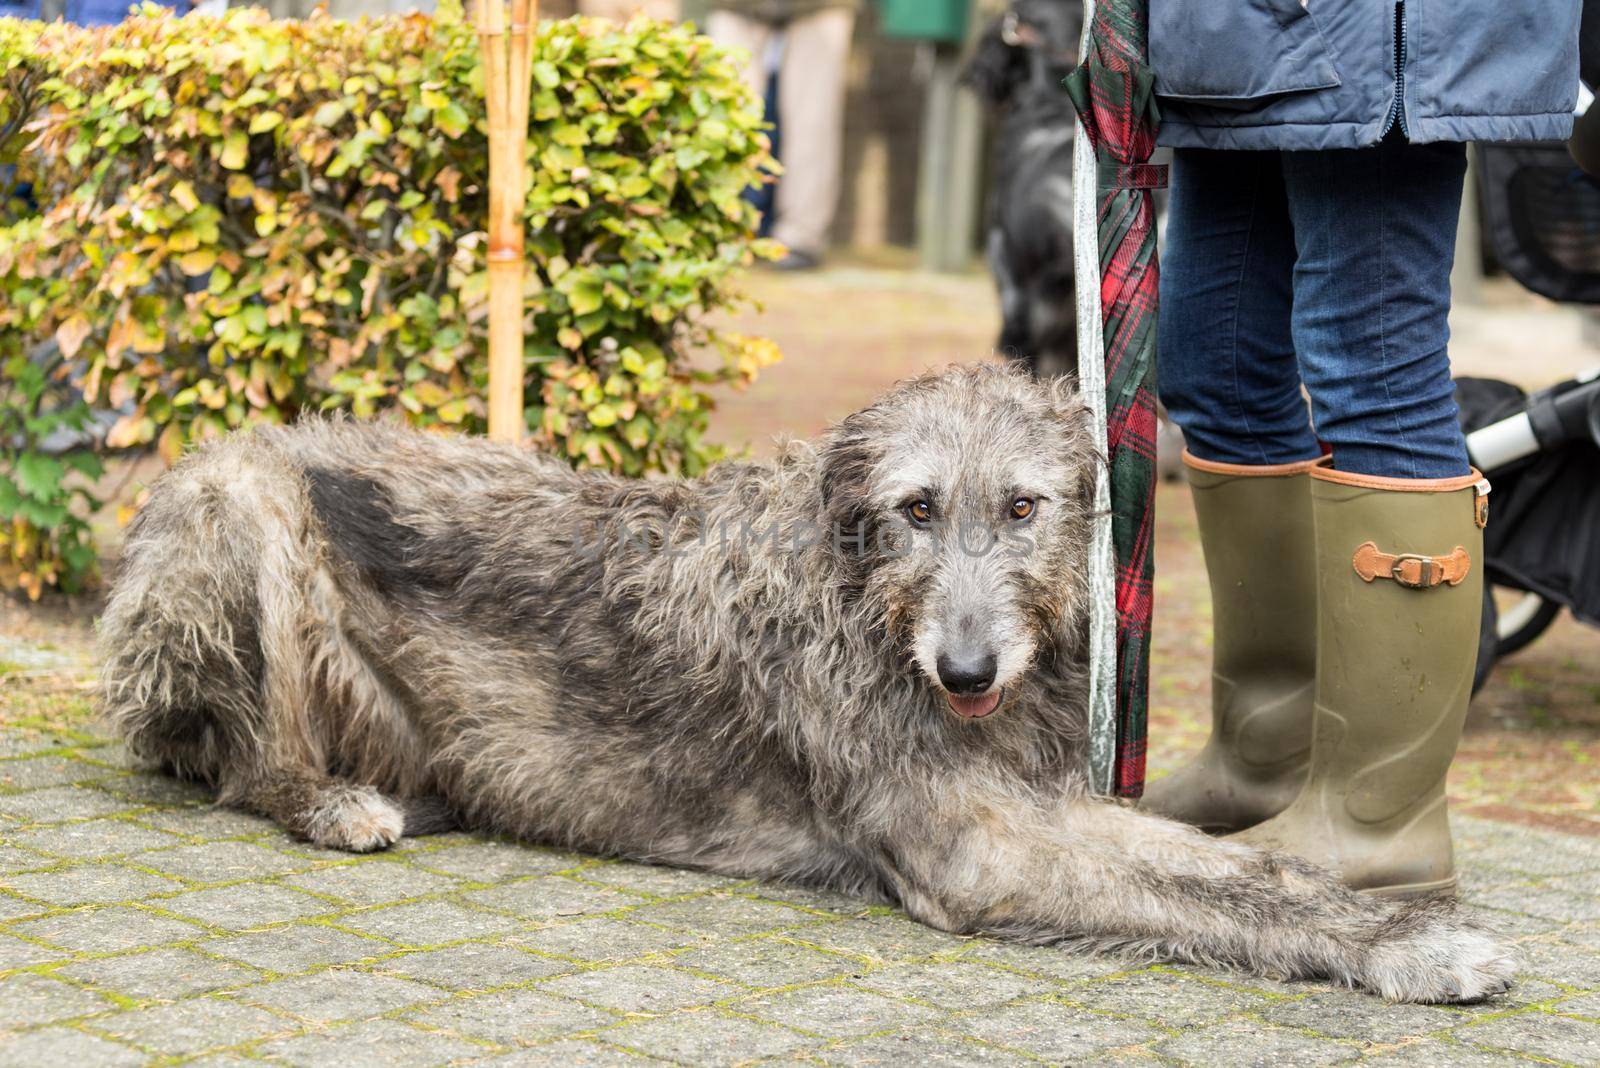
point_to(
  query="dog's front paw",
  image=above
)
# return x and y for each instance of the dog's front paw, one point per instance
(1442, 961)
(357, 819)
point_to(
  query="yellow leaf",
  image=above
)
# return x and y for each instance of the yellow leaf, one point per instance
(265, 121)
(183, 193)
(235, 150)
(70, 335)
(198, 262)
(170, 446)
(240, 186)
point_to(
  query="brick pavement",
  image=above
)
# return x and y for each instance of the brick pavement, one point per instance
(141, 925)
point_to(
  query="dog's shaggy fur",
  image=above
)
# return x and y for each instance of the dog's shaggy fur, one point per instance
(341, 625)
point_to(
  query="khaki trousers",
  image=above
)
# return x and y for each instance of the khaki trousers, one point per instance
(812, 79)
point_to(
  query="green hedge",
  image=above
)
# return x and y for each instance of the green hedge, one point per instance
(241, 219)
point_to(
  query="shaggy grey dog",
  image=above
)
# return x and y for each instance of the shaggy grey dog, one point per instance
(859, 666)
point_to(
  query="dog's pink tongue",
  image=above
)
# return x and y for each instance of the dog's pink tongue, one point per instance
(974, 707)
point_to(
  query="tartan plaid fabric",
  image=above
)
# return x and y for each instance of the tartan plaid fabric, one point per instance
(1113, 92)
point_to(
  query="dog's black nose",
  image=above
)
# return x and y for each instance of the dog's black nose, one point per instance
(962, 675)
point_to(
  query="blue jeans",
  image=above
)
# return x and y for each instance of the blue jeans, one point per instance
(1328, 270)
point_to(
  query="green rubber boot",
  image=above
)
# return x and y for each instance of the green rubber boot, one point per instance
(1400, 591)
(1256, 533)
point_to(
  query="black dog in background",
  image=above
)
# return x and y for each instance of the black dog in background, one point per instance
(1017, 67)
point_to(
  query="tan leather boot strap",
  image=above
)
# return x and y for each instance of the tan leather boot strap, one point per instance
(1412, 570)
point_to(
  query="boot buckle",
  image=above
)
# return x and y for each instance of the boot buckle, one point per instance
(1416, 572)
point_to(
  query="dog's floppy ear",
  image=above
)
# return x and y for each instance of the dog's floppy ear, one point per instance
(1078, 438)
(847, 462)
(996, 68)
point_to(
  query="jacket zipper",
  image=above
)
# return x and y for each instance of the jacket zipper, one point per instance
(1397, 110)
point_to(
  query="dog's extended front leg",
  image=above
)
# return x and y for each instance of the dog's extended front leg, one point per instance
(1111, 878)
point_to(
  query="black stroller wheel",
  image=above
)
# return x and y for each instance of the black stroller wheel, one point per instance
(1488, 642)
(1504, 632)
(1520, 624)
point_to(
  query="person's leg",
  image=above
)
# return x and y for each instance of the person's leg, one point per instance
(1375, 233)
(752, 35)
(1228, 376)
(1226, 366)
(811, 88)
(1398, 514)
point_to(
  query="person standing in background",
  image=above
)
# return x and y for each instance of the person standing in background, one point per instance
(811, 85)
(1317, 166)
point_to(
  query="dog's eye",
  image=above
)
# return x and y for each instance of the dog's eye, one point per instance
(1022, 508)
(921, 512)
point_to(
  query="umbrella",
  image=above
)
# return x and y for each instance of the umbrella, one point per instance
(1113, 91)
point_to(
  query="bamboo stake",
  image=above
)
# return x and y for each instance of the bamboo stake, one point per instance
(507, 65)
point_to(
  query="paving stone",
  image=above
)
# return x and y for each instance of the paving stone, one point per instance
(35, 772)
(12, 908)
(954, 986)
(921, 1048)
(1166, 998)
(1053, 962)
(1543, 1035)
(208, 821)
(552, 898)
(1543, 902)
(607, 939)
(1347, 1014)
(1583, 1005)
(767, 962)
(186, 1027)
(574, 1053)
(220, 862)
(295, 949)
(428, 923)
(373, 882)
(14, 860)
(813, 900)
(57, 803)
(1580, 934)
(340, 995)
(472, 966)
(15, 953)
(1243, 1042)
(109, 930)
(62, 1046)
(492, 862)
(707, 1037)
(148, 789)
(1432, 1053)
(94, 839)
(373, 1042)
(836, 1011)
(90, 884)
(238, 908)
(1054, 1031)
(879, 938)
(514, 1017)
(728, 915)
(1559, 962)
(640, 988)
(30, 999)
(166, 974)
(657, 880)
(1587, 882)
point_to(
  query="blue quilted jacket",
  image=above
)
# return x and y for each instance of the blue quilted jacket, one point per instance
(1312, 74)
